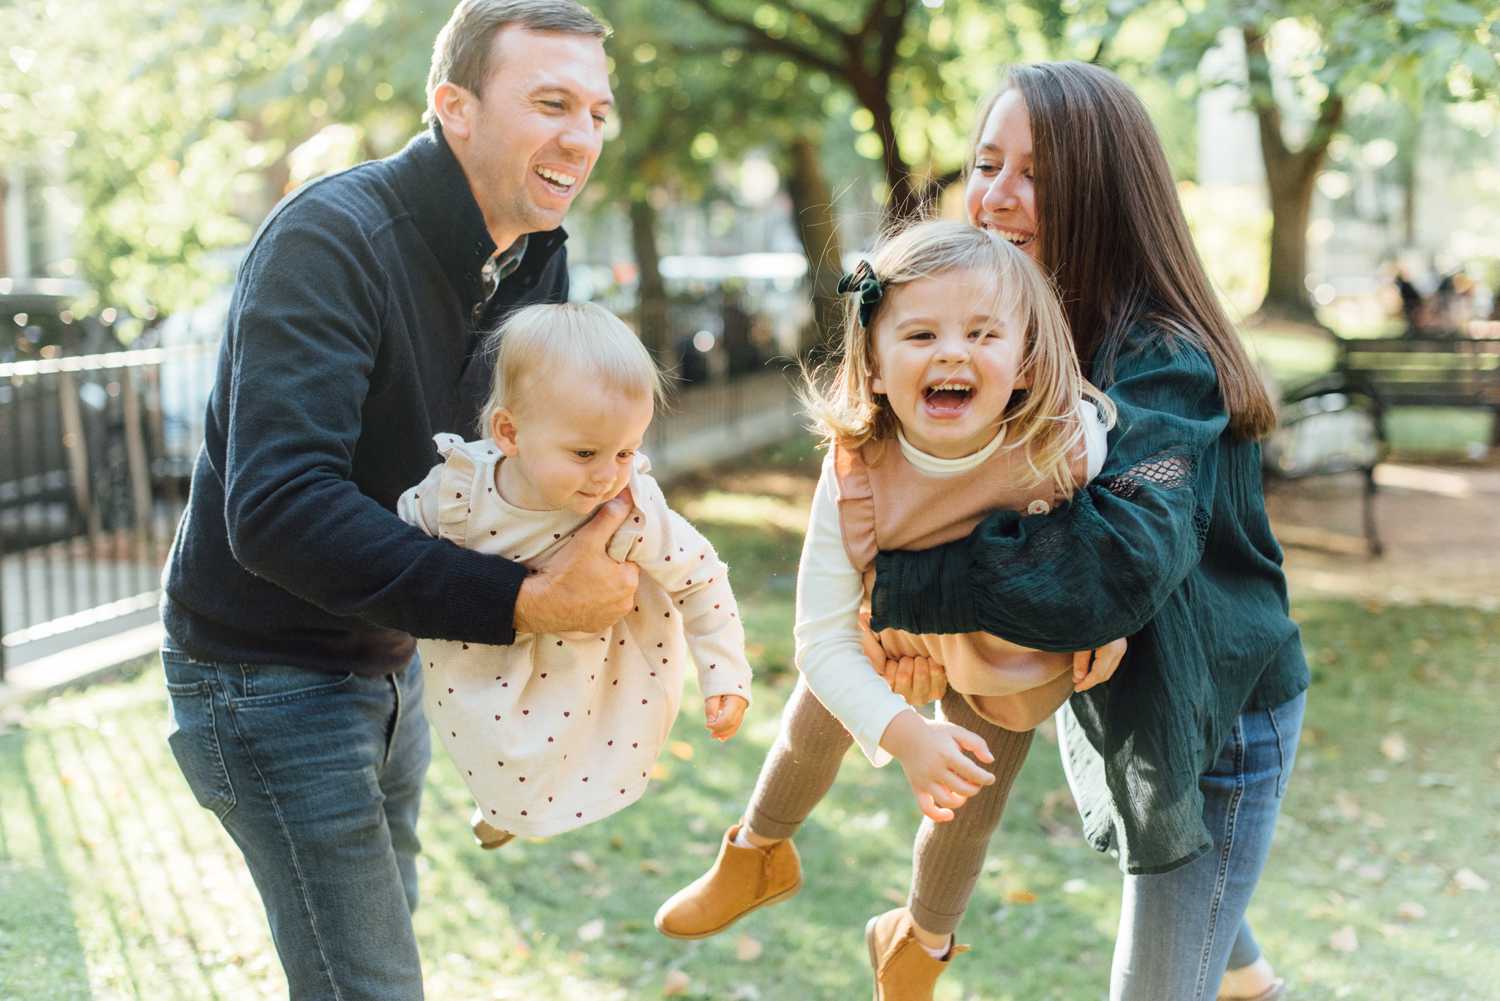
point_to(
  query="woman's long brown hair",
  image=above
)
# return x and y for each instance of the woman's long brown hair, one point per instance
(1113, 235)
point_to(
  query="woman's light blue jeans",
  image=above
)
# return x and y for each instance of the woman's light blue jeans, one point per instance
(318, 779)
(1179, 930)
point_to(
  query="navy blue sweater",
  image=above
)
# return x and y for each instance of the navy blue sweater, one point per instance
(354, 335)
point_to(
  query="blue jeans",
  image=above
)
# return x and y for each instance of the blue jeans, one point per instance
(318, 779)
(1179, 930)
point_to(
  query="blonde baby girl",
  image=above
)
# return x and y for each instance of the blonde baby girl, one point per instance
(957, 393)
(554, 732)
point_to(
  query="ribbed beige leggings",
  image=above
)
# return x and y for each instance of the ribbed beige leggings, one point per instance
(946, 858)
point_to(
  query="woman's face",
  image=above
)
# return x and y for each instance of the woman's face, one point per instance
(1001, 194)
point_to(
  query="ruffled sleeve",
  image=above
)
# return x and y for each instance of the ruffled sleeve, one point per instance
(456, 488)
(856, 506)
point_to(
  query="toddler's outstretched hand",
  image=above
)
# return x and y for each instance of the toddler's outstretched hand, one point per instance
(935, 757)
(723, 715)
(1094, 667)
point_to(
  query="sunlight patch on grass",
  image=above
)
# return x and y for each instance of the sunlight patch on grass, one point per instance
(718, 508)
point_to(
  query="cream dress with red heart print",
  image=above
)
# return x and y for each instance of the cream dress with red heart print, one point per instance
(557, 731)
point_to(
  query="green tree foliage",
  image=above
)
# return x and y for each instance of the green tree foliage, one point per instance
(1304, 60)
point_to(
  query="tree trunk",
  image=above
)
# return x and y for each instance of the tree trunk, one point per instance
(817, 228)
(1408, 167)
(1290, 177)
(1286, 276)
(651, 317)
(904, 201)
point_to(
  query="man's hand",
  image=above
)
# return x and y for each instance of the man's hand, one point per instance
(1094, 667)
(722, 714)
(918, 680)
(934, 756)
(579, 589)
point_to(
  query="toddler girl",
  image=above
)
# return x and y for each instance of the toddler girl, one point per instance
(554, 732)
(958, 393)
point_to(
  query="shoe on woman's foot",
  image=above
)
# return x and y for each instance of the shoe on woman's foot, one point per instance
(740, 880)
(904, 969)
(1276, 992)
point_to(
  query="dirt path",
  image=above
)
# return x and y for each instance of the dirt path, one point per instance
(1440, 525)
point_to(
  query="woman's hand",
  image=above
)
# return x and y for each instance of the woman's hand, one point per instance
(918, 680)
(934, 756)
(1094, 667)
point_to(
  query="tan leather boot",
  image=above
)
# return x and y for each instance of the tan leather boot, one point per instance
(740, 880)
(487, 835)
(904, 969)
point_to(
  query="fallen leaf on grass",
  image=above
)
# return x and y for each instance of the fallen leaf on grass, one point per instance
(1394, 748)
(1344, 940)
(747, 949)
(593, 931)
(651, 867)
(1020, 897)
(659, 771)
(675, 984)
(681, 749)
(1471, 881)
(1411, 911)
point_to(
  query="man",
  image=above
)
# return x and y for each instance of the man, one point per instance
(293, 592)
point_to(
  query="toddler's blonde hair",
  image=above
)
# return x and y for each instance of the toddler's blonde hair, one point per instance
(576, 344)
(1042, 419)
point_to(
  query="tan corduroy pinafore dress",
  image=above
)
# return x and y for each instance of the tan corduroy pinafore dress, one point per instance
(886, 503)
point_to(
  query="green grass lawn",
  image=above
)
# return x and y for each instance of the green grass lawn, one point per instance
(116, 885)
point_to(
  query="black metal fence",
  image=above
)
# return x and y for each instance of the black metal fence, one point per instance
(93, 474)
(96, 453)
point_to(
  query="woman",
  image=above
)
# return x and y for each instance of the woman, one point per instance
(1180, 762)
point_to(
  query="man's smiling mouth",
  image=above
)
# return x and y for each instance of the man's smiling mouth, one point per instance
(557, 180)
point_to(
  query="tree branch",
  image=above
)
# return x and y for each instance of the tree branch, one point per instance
(893, 27)
(824, 23)
(1262, 97)
(756, 38)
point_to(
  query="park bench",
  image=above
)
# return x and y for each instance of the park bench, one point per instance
(1336, 423)
(1454, 371)
(1330, 426)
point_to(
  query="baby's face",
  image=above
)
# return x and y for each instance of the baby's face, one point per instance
(947, 366)
(574, 446)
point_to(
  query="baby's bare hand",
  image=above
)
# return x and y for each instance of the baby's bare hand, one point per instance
(723, 714)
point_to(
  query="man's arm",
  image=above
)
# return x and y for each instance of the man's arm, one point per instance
(1099, 567)
(305, 336)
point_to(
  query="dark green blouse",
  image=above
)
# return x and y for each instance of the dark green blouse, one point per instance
(1170, 546)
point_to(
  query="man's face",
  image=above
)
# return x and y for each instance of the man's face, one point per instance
(537, 128)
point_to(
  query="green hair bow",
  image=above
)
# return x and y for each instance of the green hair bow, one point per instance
(863, 282)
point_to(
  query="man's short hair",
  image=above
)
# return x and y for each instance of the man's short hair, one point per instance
(461, 54)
